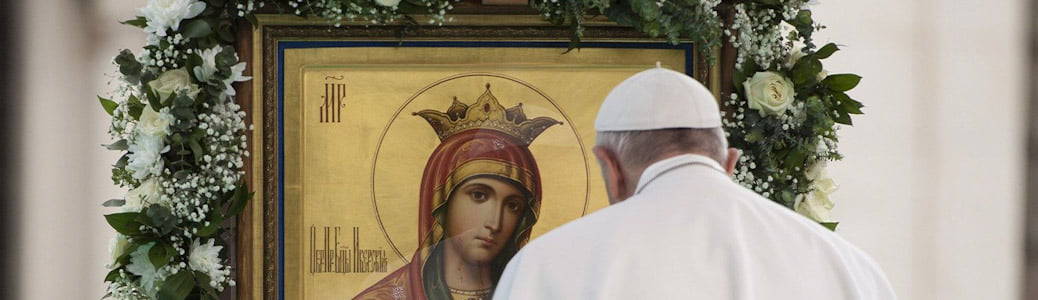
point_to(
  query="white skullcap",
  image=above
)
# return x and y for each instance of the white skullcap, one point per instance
(658, 98)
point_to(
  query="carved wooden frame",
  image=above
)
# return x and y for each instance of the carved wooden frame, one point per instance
(275, 28)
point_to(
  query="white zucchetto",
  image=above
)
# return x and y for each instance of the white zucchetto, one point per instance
(658, 98)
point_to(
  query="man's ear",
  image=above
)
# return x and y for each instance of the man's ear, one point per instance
(733, 157)
(612, 173)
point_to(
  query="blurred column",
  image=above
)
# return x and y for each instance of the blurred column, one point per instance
(67, 47)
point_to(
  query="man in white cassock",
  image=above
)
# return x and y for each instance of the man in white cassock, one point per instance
(678, 227)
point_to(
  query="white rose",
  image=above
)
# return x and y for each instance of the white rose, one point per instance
(155, 123)
(816, 204)
(145, 156)
(147, 193)
(205, 71)
(166, 14)
(174, 81)
(769, 92)
(117, 247)
(388, 3)
(205, 258)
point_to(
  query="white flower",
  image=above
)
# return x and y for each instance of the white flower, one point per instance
(174, 81)
(147, 193)
(769, 92)
(205, 71)
(155, 123)
(117, 247)
(795, 54)
(205, 258)
(388, 3)
(167, 14)
(822, 75)
(141, 265)
(145, 156)
(816, 204)
(236, 71)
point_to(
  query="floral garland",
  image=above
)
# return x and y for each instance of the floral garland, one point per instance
(786, 107)
(183, 138)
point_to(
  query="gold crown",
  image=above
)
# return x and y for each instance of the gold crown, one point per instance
(489, 114)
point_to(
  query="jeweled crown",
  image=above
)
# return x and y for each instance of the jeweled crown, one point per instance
(486, 113)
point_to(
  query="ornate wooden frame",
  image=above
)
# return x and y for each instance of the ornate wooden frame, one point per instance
(256, 45)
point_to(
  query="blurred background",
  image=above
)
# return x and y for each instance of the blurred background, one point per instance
(933, 184)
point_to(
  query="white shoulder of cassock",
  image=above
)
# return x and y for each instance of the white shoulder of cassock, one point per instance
(692, 233)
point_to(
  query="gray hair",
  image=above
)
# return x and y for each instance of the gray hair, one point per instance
(638, 149)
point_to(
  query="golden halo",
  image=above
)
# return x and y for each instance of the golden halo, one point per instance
(407, 141)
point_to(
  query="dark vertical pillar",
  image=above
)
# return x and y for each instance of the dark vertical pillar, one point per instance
(1031, 227)
(10, 84)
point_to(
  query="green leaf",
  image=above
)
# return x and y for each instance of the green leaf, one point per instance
(161, 254)
(153, 98)
(161, 218)
(210, 293)
(755, 135)
(239, 199)
(830, 225)
(129, 66)
(806, 70)
(843, 118)
(121, 145)
(648, 10)
(841, 82)
(178, 286)
(196, 148)
(795, 158)
(769, 2)
(197, 28)
(139, 22)
(803, 19)
(846, 104)
(826, 51)
(108, 105)
(114, 203)
(112, 275)
(125, 223)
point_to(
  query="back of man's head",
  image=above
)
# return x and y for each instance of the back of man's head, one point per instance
(651, 116)
(638, 149)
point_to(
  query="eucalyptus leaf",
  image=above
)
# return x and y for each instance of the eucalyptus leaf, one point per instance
(178, 286)
(160, 254)
(806, 70)
(197, 28)
(830, 225)
(139, 22)
(120, 145)
(161, 218)
(114, 203)
(129, 66)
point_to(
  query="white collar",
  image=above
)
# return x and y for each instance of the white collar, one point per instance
(660, 167)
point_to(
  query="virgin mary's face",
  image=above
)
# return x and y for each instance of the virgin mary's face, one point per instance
(481, 217)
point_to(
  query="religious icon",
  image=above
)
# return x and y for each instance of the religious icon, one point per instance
(482, 149)
(480, 197)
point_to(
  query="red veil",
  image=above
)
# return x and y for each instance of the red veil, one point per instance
(464, 155)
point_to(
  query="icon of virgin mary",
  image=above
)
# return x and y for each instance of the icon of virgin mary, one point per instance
(479, 199)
